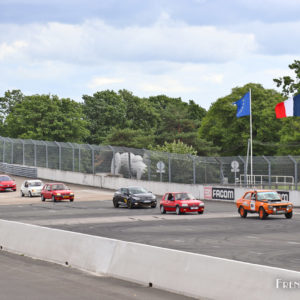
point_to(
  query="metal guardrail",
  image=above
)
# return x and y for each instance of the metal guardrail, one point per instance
(18, 170)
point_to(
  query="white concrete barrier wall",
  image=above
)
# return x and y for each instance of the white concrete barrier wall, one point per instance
(182, 272)
(158, 188)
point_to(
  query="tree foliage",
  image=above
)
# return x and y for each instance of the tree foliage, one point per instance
(103, 111)
(45, 117)
(176, 147)
(231, 134)
(289, 142)
(289, 85)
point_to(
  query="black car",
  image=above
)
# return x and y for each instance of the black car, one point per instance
(134, 196)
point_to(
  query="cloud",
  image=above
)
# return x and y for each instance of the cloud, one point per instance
(279, 38)
(9, 50)
(94, 41)
(99, 82)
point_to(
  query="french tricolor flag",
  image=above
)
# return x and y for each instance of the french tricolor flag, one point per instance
(288, 108)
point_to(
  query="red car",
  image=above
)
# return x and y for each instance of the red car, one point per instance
(56, 191)
(7, 184)
(180, 203)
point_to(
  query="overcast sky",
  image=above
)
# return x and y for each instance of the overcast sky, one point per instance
(193, 49)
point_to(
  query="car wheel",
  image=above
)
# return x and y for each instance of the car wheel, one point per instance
(262, 213)
(53, 199)
(22, 194)
(116, 203)
(162, 209)
(153, 205)
(201, 212)
(129, 204)
(242, 212)
(43, 198)
(29, 194)
(71, 200)
(289, 215)
(178, 210)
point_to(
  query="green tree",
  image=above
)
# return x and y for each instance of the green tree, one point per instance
(289, 85)
(231, 134)
(175, 147)
(10, 99)
(140, 114)
(103, 111)
(289, 143)
(45, 117)
(127, 137)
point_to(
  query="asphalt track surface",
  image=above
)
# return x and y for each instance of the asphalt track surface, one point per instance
(218, 232)
(23, 278)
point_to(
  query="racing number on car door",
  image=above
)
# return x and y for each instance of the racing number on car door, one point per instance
(252, 202)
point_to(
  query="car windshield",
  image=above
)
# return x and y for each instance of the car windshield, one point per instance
(5, 178)
(137, 190)
(184, 196)
(268, 196)
(58, 187)
(35, 183)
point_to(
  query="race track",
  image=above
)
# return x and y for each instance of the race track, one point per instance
(218, 232)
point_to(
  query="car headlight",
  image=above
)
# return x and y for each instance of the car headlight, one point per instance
(136, 198)
(153, 197)
(184, 205)
(58, 194)
(201, 204)
(289, 206)
(270, 207)
(71, 194)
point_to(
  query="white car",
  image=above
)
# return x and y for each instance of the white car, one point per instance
(31, 188)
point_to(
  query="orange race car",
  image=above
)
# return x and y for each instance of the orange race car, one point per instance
(264, 202)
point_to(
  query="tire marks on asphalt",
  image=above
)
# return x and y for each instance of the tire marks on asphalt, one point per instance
(125, 219)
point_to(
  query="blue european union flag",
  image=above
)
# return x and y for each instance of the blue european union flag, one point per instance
(243, 106)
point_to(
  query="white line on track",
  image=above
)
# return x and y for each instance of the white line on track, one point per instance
(293, 243)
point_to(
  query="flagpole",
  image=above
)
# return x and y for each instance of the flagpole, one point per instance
(251, 148)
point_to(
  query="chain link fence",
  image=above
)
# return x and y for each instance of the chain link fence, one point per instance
(268, 172)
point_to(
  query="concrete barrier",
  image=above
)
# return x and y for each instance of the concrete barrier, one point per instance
(78, 250)
(181, 272)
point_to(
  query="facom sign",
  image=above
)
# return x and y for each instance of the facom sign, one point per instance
(214, 193)
(222, 194)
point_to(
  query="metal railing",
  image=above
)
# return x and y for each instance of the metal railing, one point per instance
(148, 165)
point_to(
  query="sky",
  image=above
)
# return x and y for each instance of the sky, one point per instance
(194, 49)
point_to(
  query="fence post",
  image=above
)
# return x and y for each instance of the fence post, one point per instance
(93, 158)
(269, 169)
(221, 170)
(296, 171)
(59, 154)
(4, 151)
(245, 170)
(23, 152)
(12, 152)
(46, 152)
(129, 164)
(148, 163)
(79, 157)
(194, 169)
(73, 156)
(34, 147)
(170, 171)
(113, 161)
